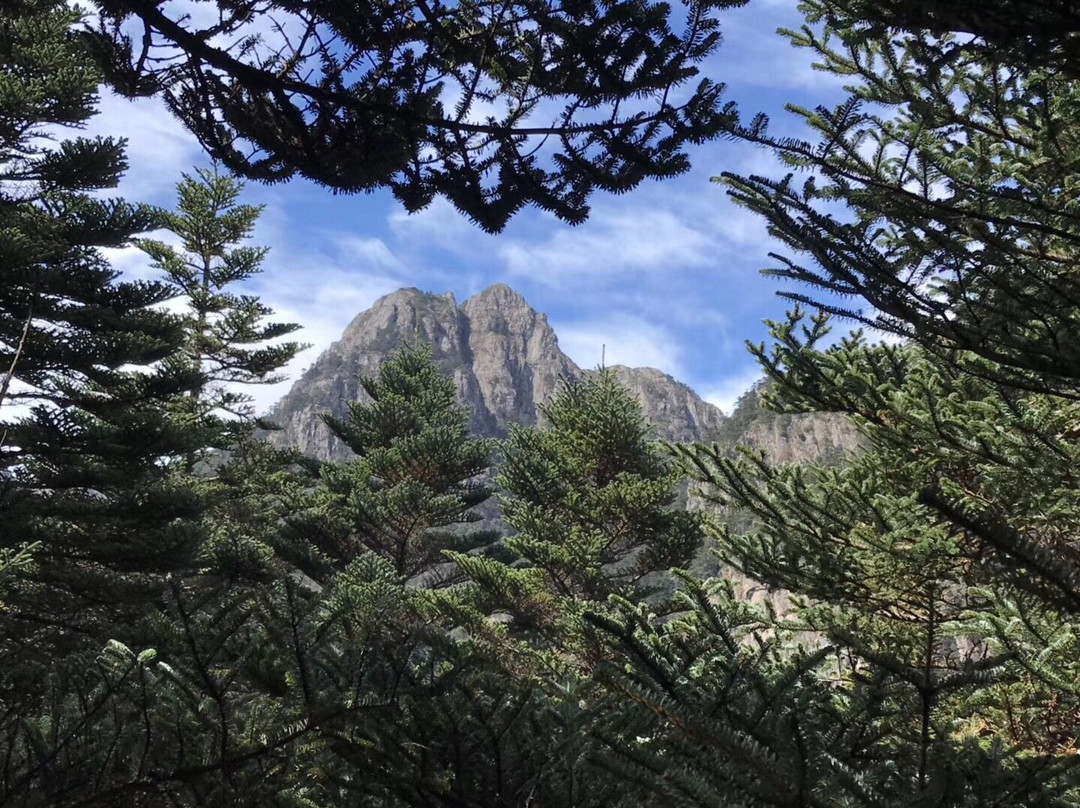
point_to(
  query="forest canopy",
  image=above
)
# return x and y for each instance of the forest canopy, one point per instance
(192, 614)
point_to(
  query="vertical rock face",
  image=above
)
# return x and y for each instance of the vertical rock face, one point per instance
(502, 354)
(516, 360)
(373, 335)
(803, 438)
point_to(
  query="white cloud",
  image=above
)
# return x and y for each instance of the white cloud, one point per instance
(726, 392)
(366, 252)
(630, 239)
(754, 56)
(131, 262)
(664, 277)
(159, 148)
(877, 335)
(439, 224)
(200, 15)
(624, 341)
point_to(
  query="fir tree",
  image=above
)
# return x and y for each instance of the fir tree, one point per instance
(86, 438)
(717, 707)
(954, 166)
(588, 495)
(124, 638)
(228, 346)
(416, 480)
(904, 596)
(1038, 34)
(90, 441)
(966, 245)
(939, 565)
(451, 727)
(228, 342)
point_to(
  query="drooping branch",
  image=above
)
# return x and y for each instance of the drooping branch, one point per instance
(495, 106)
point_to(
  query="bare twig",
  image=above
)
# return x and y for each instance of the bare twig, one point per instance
(6, 383)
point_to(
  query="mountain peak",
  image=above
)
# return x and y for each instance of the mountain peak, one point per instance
(502, 354)
(405, 310)
(415, 295)
(500, 294)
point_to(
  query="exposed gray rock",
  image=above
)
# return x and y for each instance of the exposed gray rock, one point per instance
(676, 412)
(782, 438)
(803, 438)
(333, 380)
(504, 358)
(515, 357)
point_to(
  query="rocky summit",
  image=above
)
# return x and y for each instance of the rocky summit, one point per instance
(504, 358)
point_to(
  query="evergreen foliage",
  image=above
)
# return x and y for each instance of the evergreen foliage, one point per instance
(450, 727)
(414, 485)
(709, 709)
(124, 634)
(187, 619)
(904, 596)
(227, 346)
(492, 106)
(228, 342)
(956, 169)
(1038, 34)
(90, 438)
(588, 495)
(936, 568)
(87, 432)
(966, 246)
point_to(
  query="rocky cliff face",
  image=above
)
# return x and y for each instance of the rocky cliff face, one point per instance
(504, 358)
(804, 438)
(676, 412)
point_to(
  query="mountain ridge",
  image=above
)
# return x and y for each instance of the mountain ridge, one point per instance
(502, 354)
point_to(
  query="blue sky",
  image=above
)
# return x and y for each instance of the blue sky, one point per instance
(666, 276)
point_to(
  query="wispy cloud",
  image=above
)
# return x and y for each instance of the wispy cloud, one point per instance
(439, 224)
(727, 390)
(755, 56)
(622, 341)
(616, 242)
(321, 293)
(159, 149)
(367, 252)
